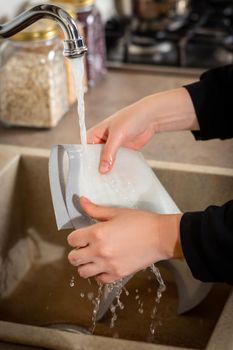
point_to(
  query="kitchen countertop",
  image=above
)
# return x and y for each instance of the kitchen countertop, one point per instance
(116, 90)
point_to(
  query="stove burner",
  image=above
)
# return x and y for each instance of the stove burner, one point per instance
(204, 39)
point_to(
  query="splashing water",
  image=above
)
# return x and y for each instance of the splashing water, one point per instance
(117, 304)
(162, 286)
(96, 303)
(118, 285)
(160, 290)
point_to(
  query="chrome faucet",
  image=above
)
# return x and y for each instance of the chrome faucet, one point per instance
(73, 42)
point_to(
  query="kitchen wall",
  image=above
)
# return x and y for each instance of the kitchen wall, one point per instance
(8, 8)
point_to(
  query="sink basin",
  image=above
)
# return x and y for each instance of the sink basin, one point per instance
(44, 303)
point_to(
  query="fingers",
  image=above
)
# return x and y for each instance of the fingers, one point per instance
(80, 256)
(108, 154)
(78, 238)
(89, 270)
(106, 278)
(82, 237)
(97, 135)
(112, 141)
(91, 255)
(97, 212)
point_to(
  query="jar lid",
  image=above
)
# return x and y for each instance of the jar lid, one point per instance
(80, 3)
(41, 30)
(68, 6)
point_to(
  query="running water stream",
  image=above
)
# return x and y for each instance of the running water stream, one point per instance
(78, 74)
(78, 71)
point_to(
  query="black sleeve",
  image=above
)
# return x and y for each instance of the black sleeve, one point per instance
(212, 98)
(207, 243)
(207, 237)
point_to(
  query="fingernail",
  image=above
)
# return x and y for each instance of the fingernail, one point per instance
(104, 167)
(84, 199)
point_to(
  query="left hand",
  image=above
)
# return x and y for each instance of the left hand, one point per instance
(124, 241)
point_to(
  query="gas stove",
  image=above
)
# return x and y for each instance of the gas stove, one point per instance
(203, 39)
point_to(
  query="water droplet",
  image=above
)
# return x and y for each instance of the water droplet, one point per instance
(153, 312)
(126, 291)
(152, 327)
(72, 283)
(90, 295)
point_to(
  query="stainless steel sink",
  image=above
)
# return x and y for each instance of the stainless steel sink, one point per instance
(39, 307)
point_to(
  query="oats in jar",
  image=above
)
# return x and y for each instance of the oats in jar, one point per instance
(33, 82)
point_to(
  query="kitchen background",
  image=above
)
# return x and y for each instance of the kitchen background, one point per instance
(151, 46)
(10, 8)
(180, 33)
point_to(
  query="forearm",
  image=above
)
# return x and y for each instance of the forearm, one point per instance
(172, 110)
(169, 236)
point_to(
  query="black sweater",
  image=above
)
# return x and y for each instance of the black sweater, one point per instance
(207, 236)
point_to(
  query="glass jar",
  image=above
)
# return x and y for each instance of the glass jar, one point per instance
(33, 83)
(90, 19)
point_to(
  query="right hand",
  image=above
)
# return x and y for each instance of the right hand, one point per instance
(135, 125)
(129, 127)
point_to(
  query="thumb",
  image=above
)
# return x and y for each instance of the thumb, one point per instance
(108, 154)
(97, 212)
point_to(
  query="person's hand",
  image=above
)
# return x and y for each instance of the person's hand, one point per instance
(128, 128)
(135, 125)
(122, 242)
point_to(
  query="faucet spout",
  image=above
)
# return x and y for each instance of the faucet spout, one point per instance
(73, 42)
